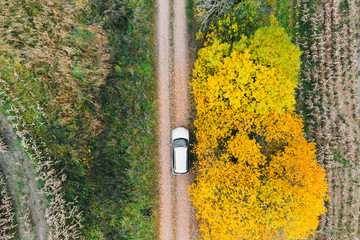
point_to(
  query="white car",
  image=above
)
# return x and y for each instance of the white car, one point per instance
(180, 150)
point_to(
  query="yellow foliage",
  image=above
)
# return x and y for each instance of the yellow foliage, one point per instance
(244, 19)
(257, 178)
(256, 74)
(264, 182)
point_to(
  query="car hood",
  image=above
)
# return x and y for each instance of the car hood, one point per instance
(180, 132)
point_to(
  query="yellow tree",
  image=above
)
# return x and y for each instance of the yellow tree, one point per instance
(257, 178)
(229, 80)
(262, 184)
(244, 19)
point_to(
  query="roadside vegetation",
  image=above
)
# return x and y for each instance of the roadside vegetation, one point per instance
(256, 175)
(77, 85)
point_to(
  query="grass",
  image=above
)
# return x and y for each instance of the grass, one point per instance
(339, 158)
(124, 182)
(96, 115)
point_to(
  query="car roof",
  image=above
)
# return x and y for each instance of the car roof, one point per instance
(181, 160)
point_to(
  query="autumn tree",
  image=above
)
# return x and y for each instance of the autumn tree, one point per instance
(210, 10)
(230, 80)
(244, 19)
(229, 20)
(257, 178)
(263, 184)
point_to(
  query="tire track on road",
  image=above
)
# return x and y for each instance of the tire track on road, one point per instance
(184, 213)
(165, 185)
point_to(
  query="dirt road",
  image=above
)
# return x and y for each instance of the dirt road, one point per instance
(177, 218)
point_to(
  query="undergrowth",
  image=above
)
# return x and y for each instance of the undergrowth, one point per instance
(88, 87)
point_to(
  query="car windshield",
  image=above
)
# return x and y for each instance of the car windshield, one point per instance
(180, 143)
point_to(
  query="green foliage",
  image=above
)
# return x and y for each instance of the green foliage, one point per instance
(115, 184)
(244, 19)
(190, 8)
(283, 12)
(340, 159)
(272, 46)
(122, 204)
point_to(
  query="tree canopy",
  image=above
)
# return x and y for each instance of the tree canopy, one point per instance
(257, 177)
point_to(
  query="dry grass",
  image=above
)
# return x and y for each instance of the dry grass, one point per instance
(63, 218)
(68, 59)
(7, 214)
(328, 100)
(53, 68)
(3, 146)
(54, 62)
